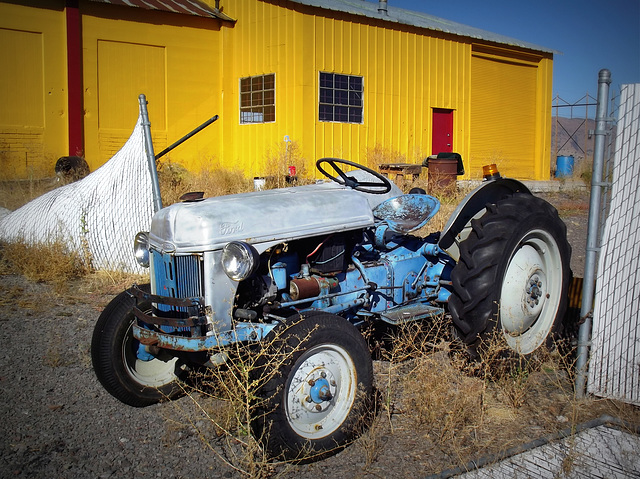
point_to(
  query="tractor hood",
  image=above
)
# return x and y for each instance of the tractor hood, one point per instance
(262, 217)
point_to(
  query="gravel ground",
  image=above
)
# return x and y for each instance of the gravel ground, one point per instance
(58, 422)
(573, 207)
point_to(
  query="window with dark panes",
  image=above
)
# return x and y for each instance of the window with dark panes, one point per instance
(341, 98)
(258, 99)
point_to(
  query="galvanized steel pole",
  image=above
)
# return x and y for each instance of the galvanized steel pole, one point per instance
(593, 247)
(151, 158)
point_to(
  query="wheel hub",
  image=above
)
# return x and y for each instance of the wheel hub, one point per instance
(319, 390)
(523, 292)
(535, 291)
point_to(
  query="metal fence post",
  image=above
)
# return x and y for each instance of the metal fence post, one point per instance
(593, 247)
(151, 158)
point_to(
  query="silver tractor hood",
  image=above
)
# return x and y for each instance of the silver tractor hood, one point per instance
(263, 217)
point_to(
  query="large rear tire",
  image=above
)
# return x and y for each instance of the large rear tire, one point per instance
(513, 275)
(317, 393)
(114, 353)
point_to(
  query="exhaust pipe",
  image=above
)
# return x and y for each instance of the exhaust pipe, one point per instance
(382, 7)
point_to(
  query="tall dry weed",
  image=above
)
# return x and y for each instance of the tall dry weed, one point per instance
(52, 263)
(214, 180)
(379, 155)
(442, 399)
(229, 400)
(469, 407)
(14, 194)
(424, 381)
(279, 159)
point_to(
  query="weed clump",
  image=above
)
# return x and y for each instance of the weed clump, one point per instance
(175, 181)
(230, 402)
(424, 382)
(441, 399)
(278, 163)
(52, 263)
(14, 194)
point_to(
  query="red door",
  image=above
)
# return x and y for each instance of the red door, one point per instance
(442, 133)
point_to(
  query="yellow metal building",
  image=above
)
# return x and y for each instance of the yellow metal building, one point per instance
(339, 78)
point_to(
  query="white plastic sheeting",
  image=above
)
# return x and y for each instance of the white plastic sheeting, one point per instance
(614, 365)
(97, 216)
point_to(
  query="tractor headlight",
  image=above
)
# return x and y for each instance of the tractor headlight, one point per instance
(141, 248)
(239, 260)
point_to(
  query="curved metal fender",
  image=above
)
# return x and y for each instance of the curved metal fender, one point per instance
(473, 206)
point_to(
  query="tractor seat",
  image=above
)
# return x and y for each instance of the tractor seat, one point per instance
(407, 213)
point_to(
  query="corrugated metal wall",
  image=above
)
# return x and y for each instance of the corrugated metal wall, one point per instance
(33, 100)
(124, 71)
(264, 40)
(505, 119)
(190, 68)
(405, 74)
(174, 61)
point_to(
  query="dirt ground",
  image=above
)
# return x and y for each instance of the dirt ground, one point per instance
(57, 421)
(573, 207)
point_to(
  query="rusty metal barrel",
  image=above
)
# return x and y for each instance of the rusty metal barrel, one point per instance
(443, 173)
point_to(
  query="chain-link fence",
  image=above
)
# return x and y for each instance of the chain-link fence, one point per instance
(603, 448)
(98, 216)
(614, 363)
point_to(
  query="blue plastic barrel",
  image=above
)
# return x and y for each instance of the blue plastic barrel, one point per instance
(564, 166)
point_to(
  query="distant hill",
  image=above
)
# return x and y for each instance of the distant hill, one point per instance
(572, 138)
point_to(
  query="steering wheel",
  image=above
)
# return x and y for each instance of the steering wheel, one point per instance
(374, 187)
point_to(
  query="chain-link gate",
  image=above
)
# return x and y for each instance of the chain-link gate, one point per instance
(614, 363)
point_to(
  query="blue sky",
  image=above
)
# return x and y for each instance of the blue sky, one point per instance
(590, 35)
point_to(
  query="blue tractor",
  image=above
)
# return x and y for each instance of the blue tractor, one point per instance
(306, 268)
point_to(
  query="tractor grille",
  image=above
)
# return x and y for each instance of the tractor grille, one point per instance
(177, 277)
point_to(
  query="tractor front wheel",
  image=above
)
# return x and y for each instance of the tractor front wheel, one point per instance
(123, 366)
(317, 388)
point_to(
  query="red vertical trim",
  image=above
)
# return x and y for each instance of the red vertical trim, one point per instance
(74, 79)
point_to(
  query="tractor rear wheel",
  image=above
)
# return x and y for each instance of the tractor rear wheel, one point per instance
(513, 275)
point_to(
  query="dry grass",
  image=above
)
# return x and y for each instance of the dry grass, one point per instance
(570, 203)
(441, 399)
(51, 263)
(108, 282)
(215, 180)
(277, 163)
(68, 272)
(212, 181)
(14, 194)
(379, 155)
(583, 169)
(467, 409)
(457, 409)
(427, 389)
